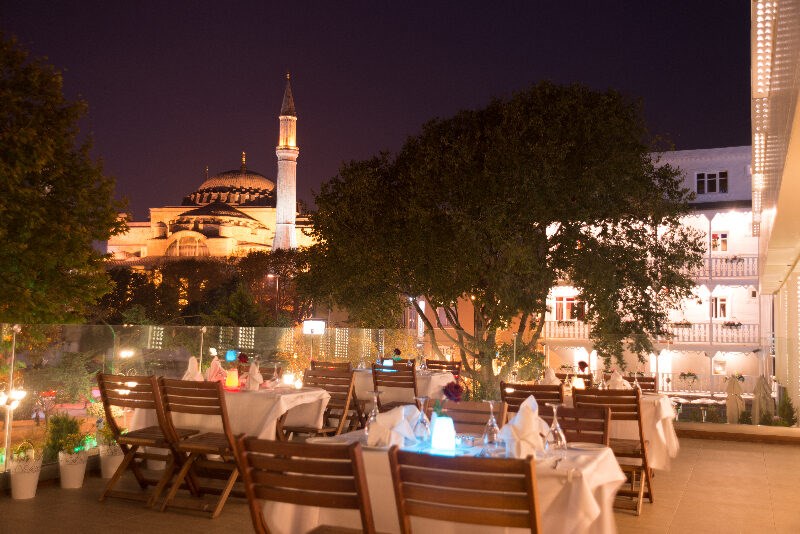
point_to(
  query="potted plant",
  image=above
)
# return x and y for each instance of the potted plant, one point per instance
(111, 454)
(25, 466)
(66, 442)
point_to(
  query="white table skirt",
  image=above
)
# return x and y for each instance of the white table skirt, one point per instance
(578, 497)
(254, 413)
(657, 417)
(429, 384)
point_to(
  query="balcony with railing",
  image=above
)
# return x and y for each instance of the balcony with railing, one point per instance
(566, 330)
(727, 333)
(734, 266)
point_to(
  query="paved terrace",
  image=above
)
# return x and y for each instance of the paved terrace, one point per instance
(713, 486)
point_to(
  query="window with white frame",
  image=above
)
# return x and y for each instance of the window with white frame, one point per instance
(719, 307)
(569, 309)
(719, 241)
(712, 182)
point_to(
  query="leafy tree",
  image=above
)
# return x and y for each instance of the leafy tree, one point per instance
(54, 200)
(497, 205)
(258, 270)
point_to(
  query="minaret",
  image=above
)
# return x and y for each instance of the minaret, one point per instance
(287, 152)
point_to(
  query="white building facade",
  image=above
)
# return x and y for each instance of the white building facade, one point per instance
(720, 331)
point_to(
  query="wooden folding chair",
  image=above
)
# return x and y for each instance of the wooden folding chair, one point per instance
(625, 406)
(339, 366)
(514, 394)
(137, 392)
(470, 417)
(339, 383)
(646, 383)
(329, 476)
(482, 491)
(588, 379)
(588, 425)
(398, 376)
(444, 365)
(211, 455)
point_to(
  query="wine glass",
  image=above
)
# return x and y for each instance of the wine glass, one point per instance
(373, 414)
(491, 433)
(423, 366)
(422, 428)
(556, 441)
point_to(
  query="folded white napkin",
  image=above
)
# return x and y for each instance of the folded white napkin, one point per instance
(254, 378)
(394, 427)
(193, 371)
(617, 382)
(550, 378)
(215, 371)
(524, 433)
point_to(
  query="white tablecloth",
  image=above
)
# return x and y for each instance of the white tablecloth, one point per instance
(657, 417)
(429, 384)
(577, 497)
(254, 413)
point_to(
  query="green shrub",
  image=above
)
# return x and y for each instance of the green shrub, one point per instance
(787, 411)
(746, 418)
(62, 430)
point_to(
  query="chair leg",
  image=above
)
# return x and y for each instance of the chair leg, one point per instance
(223, 498)
(179, 480)
(129, 457)
(648, 476)
(163, 481)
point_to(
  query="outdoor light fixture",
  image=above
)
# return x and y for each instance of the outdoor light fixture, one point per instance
(313, 327)
(126, 353)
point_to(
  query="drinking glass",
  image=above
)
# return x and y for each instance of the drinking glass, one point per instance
(556, 441)
(422, 428)
(423, 366)
(373, 414)
(491, 434)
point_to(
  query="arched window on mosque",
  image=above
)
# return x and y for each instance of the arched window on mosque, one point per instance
(187, 246)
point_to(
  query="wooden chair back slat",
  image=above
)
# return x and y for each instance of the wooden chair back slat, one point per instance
(647, 383)
(342, 366)
(450, 489)
(339, 383)
(444, 365)
(398, 376)
(132, 392)
(329, 476)
(514, 394)
(581, 424)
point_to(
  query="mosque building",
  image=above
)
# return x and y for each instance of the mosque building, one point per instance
(231, 213)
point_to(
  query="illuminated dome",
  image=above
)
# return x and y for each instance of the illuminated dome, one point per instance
(237, 179)
(240, 187)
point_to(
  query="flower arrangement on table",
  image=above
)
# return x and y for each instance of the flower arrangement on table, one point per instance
(737, 376)
(397, 355)
(453, 391)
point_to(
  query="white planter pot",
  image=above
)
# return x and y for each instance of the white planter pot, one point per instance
(110, 458)
(72, 467)
(24, 478)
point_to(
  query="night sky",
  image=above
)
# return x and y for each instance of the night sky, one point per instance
(174, 86)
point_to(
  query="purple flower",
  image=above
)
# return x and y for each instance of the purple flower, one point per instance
(453, 391)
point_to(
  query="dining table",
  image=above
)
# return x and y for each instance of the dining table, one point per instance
(575, 495)
(254, 413)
